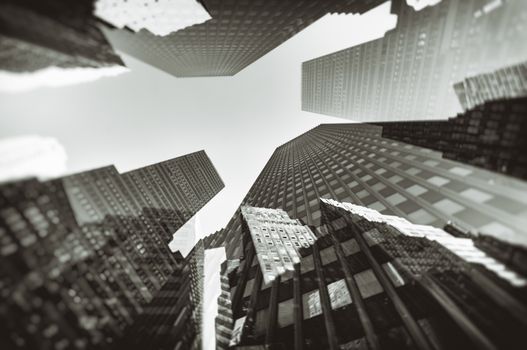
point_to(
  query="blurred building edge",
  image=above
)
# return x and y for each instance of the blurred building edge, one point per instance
(379, 282)
(490, 135)
(36, 36)
(159, 18)
(31, 156)
(408, 74)
(224, 321)
(82, 257)
(504, 83)
(172, 320)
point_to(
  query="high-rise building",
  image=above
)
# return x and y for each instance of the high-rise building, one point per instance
(224, 321)
(84, 255)
(489, 136)
(158, 17)
(409, 73)
(35, 35)
(354, 163)
(508, 82)
(372, 281)
(172, 320)
(239, 33)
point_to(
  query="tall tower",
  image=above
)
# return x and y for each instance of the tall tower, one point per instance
(354, 163)
(371, 281)
(83, 256)
(409, 73)
(35, 35)
(504, 83)
(490, 135)
(239, 33)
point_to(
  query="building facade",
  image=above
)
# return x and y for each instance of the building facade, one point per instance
(504, 83)
(83, 256)
(409, 73)
(173, 319)
(354, 163)
(239, 33)
(372, 281)
(35, 35)
(490, 136)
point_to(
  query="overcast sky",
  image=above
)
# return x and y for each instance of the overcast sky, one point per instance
(147, 116)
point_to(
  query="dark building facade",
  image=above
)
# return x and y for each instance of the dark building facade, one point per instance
(172, 320)
(354, 163)
(83, 256)
(504, 83)
(409, 73)
(54, 33)
(224, 321)
(239, 33)
(372, 281)
(490, 136)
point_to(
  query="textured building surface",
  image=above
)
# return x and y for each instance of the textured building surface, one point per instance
(379, 282)
(508, 82)
(35, 35)
(172, 320)
(276, 239)
(158, 17)
(239, 33)
(354, 163)
(81, 257)
(490, 136)
(224, 321)
(409, 73)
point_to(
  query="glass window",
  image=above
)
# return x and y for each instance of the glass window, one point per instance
(286, 313)
(350, 247)
(476, 195)
(421, 217)
(339, 294)
(396, 199)
(460, 171)
(438, 180)
(311, 304)
(368, 283)
(416, 190)
(449, 207)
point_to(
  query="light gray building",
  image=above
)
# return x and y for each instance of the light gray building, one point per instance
(409, 73)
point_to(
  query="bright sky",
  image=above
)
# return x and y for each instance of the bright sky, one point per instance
(147, 116)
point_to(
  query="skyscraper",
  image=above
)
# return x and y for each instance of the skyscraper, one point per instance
(239, 33)
(35, 35)
(374, 281)
(490, 136)
(172, 320)
(224, 321)
(409, 73)
(83, 256)
(507, 82)
(158, 17)
(354, 163)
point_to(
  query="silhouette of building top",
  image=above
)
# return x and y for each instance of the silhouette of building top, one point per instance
(239, 33)
(57, 33)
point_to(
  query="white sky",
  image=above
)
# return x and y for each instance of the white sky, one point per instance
(147, 116)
